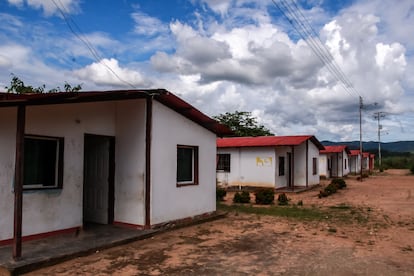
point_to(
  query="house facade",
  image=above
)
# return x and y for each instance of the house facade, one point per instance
(334, 161)
(367, 160)
(268, 161)
(130, 157)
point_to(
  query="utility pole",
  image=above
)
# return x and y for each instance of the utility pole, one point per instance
(360, 134)
(378, 116)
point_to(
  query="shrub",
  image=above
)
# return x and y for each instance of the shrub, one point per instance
(243, 197)
(331, 188)
(339, 182)
(335, 184)
(282, 199)
(265, 196)
(412, 169)
(323, 194)
(300, 203)
(220, 193)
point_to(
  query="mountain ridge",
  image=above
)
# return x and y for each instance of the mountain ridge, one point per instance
(399, 146)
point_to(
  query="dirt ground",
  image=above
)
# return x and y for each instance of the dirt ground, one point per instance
(251, 244)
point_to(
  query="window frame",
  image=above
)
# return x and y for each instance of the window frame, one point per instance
(226, 164)
(58, 168)
(194, 165)
(282, 166)
(314, 165)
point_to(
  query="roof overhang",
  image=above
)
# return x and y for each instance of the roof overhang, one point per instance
(161, 95)
(267, 141)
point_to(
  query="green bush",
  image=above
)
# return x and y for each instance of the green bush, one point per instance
(323, 193)
(243, 197)
(220, 193)
(265, 196)
(339, 182)
(335, 185)
(282, 199)
(331, 188)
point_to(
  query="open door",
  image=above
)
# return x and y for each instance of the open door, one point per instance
(98, 179)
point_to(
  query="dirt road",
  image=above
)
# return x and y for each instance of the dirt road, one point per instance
(378, 240)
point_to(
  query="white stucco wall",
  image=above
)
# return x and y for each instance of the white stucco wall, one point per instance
(346, 164)
(245, 171)
(313, 179)
(300, 165)
(250, 167)
(170, 202)
(130, 162)
(340, 164)
(226, 178)
(355, 164)
(7, 153)
(323, 165)
(49, 210)
(282, 180)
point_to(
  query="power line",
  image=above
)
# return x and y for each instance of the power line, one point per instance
(378, 115)
(308, 34)
(84, 40)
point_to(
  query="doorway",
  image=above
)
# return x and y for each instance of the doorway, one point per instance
(98, 179)
(289, 169)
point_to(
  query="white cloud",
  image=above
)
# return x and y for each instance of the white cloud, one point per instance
(16, 2)
(108, 72)
(240, 57)
(218, 6)
(148, 25)
(5, 61)
(49, 8)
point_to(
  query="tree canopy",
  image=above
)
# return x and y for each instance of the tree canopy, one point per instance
(243, 124)
(17, 86)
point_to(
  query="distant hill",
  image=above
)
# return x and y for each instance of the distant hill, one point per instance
(401, 146)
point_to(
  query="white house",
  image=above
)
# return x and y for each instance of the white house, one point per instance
(268, 161)
(355, 162)
(334, 161)
(367, 161)
(137, 158)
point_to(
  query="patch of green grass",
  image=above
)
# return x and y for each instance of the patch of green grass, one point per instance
(278, 211)
(340, 213)
(341, 206)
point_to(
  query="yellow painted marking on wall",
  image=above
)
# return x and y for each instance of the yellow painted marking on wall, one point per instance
(264, 161)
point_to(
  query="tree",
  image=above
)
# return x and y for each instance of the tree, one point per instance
(17, 86)
(243, 124)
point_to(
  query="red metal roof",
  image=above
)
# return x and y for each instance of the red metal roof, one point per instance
(266, 141)
(364, 154)
(335, 149)
(354, 152)
(161, 95)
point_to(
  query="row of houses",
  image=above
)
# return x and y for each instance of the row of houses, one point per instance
(284, 162)
(135, 158)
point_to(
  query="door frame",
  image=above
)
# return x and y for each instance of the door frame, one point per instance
(289, 169)
(111, 174)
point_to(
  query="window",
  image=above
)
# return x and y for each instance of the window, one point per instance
(223, 162)
(43, 162)
(346, 161)
(281, 165)
(314, 166)
(187, 165)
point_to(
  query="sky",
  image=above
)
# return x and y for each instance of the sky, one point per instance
(229, 55)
